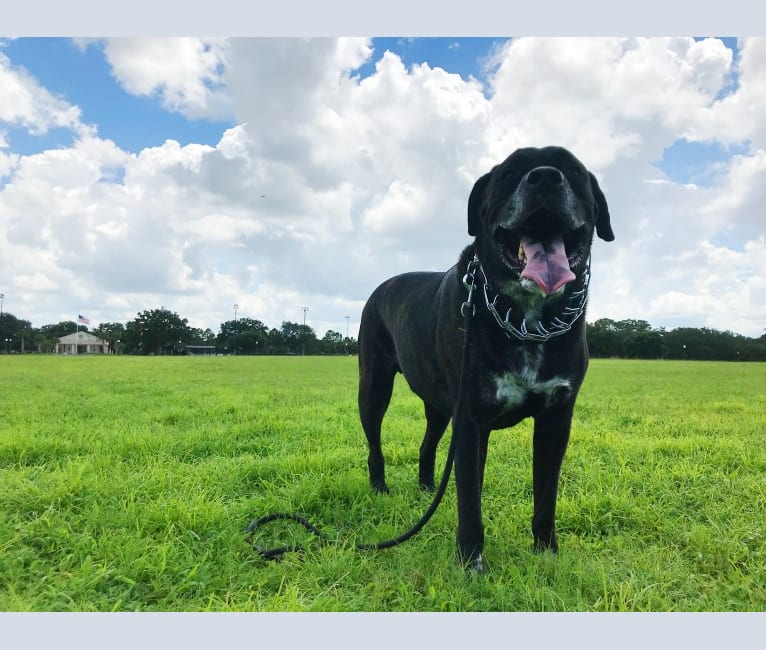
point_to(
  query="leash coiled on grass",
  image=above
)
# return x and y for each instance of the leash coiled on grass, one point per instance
(279, 551)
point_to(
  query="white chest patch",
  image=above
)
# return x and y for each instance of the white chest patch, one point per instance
(513, 387)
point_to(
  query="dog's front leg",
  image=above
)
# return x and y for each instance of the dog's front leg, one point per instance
(551, 436)
(470, 456)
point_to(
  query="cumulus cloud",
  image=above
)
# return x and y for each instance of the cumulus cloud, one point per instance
(728, 289)
(27, 104)
(736, 117)
(606, 98)
(186, 73)
(740, 195)
(332, 182)
(358, 169)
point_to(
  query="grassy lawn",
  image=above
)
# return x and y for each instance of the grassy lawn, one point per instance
(126, 484)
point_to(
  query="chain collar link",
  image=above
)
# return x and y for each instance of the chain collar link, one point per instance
(538, 333)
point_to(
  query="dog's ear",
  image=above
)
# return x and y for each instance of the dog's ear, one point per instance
(475, 201)
(603, 223)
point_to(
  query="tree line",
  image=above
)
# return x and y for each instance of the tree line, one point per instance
(636, 339)
(161, 331)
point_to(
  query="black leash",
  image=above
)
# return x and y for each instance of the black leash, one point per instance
(467, 309)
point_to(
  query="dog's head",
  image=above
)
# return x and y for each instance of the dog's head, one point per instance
(533, 217)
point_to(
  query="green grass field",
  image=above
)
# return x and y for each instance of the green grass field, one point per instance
(126, 484)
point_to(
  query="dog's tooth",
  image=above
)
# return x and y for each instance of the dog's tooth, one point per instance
(521, 253)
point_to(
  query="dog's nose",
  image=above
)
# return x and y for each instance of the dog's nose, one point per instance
(541, 177)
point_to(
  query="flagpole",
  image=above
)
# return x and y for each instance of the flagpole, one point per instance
(76, 332)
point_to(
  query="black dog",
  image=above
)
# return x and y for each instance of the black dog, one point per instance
(533, 218)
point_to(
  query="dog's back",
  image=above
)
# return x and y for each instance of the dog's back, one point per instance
(398, 330)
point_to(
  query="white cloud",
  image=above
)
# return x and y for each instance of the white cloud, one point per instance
(401, 209)
(737, 117)
(331, 183)
(27, 104)
(186, 73)
(742, 194)
(728, 289)
(8, 163)
(36, 282)
(606, 98)
(339, 158)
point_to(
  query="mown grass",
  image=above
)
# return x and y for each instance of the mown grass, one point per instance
(126, 484)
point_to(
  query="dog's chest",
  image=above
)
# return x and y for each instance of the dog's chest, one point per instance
(524, 379)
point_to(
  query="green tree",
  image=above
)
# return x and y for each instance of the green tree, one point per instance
(111, 332)
(16, 335)
(604, 339)
(157, 331)
(198, 336)
(332, 342)
(633, 325)
(644, 345)
(275, 342)
(244, 336)
(299, 339)
(350, 345)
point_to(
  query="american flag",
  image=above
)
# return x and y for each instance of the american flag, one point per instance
(82, 319)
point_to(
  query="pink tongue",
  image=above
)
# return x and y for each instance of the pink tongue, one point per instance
(547, 264)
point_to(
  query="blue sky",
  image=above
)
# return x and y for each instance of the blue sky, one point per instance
(83, 77)
(353, 181)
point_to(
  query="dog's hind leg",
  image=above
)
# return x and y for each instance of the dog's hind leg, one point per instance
(376, 383)
(436, 423)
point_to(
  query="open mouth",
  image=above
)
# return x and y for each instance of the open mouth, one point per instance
(547, 260)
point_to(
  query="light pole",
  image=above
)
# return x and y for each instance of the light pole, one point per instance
(304, 310)
(236, 306)
(2, 295)
(347, 319)
(7, 341)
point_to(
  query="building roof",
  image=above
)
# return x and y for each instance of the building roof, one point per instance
(82, 338)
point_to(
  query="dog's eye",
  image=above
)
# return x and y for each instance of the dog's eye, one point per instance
(575, 171)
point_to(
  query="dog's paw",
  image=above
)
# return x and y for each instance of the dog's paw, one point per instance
(380, 487)
(541, 546)
(476, 564)
(471, 562)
